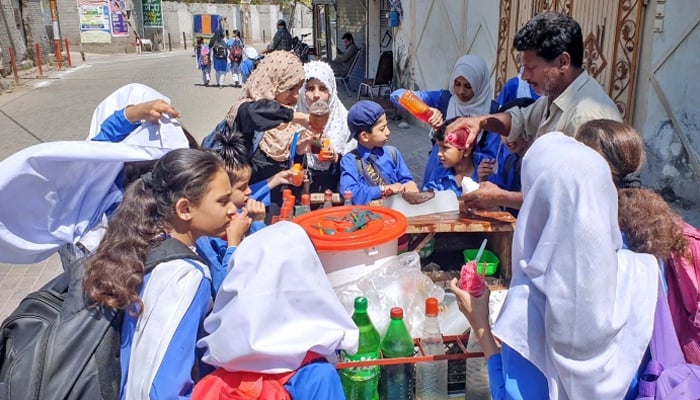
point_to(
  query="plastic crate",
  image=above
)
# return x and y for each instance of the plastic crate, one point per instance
(455, 353)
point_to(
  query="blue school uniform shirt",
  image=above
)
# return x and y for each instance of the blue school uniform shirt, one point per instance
(217, 253)
(318, 380)
(442, 178)
(513, 377)
(363, 190)
(173, 379)
(115, 128)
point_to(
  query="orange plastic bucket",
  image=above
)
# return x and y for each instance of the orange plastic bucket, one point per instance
(346, 252)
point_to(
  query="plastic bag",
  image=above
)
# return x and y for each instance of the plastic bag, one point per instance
(398, 282)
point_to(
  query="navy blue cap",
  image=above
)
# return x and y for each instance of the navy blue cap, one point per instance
(363, 115)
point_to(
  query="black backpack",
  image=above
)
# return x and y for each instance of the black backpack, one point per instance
(56, 346)
(219, 49)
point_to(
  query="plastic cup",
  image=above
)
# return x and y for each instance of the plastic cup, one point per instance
(316, 146)
(319, 112)
(471, 281)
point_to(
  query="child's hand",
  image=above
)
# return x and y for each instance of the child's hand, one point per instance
(280, 178)
(239, 225)
(256, 210)
(304, 143)
(395, 188)
(410, 187)
(476, 309)
(485, 169)
(302, 119)
(435, 120)
(150, 111)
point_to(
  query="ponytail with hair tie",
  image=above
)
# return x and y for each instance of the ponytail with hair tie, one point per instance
(631, 181)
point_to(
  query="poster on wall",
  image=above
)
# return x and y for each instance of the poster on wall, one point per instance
(94, 21)
(120, 27)
(152, 13)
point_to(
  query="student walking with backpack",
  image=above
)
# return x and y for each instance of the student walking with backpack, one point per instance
(204, 60)
(187, 195)
(235, 56)
(219, 52)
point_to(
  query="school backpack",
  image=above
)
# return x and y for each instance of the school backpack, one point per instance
(58, 346)
(236, 53)
(683, 277)
(219, 49)
(204, 55)
(667, 376)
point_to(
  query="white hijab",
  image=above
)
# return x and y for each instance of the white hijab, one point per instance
(474, 69)
(274, 306)
(54, 193)
(337, 128)
(579, 308)
(165, 133)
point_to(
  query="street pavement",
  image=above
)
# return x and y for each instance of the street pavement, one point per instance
(60, 106)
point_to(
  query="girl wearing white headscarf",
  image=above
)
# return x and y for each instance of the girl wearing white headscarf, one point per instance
(326, 174)
(273, 310)
(469, 93)
(67, 189)
(579, 313)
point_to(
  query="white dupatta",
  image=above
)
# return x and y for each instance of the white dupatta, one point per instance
(579, 308)
(275, 305)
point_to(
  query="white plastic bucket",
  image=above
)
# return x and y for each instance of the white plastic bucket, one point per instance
(346, 266)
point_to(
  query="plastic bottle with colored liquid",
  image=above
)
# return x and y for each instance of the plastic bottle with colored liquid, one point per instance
(415, 106)
(360, 383)
(396, 382)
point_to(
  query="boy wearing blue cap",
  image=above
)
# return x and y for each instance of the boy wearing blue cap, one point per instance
(373, 170)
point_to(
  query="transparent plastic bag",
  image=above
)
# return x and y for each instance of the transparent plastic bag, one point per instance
(398, 282)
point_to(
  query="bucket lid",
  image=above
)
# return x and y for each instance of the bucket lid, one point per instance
(332, 229)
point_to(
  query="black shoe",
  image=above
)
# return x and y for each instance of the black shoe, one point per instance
(206, 83)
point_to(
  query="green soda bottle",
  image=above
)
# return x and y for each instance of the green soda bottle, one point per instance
(360, 383)
(397, 381)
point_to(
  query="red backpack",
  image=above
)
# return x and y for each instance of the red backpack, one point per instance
(683, 277)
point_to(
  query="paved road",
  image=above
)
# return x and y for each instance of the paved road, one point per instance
(60, 108)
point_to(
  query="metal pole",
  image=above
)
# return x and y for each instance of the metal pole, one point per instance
(70, 64)
(184, 40)
(37, 50)
(13, 65)
(57, 52)
(170, 43)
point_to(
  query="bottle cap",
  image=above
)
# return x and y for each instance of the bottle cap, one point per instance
(396, 313)
(361, 304)
(286, 193)
(328, 194)
(347, 195)
(431, 307)
(296, 167)
(305, 199)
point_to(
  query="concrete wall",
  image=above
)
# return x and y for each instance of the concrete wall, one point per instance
(667, 113)
(434, 33)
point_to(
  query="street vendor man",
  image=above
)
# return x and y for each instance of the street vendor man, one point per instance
(551, 53)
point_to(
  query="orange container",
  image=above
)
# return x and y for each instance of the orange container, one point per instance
(348, 253)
